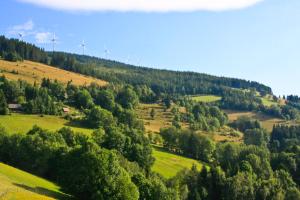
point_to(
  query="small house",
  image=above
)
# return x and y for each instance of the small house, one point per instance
(15, 107)
(66, 110)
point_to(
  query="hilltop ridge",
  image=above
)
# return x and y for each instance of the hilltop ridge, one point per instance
(159, 80)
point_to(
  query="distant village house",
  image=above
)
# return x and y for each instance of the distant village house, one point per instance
(15, 107)
(66, 110)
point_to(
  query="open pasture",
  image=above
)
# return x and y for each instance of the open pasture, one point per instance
(163, 118)
(35, 72)
(19, 185)
(206, 98)
(168, 164)
(22, 123)
(267, 121)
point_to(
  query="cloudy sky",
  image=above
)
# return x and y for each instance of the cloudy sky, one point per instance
(251, 39)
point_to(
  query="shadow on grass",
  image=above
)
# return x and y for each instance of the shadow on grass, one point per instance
(45, 192)
(161, 148)
(76, 124)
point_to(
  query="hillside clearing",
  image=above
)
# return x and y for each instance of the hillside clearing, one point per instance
(266, 121)
(268, 101)
(206, 98)
(17, 184)
(168, 164)
(226, 134)
(161, 119)
(35, 72)
(22, 123)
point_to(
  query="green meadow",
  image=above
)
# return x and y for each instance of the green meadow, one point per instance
(168, 164)
(206, 98)
(18, 184)
(268, 102)
(21, 123)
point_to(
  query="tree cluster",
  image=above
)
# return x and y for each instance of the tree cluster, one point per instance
(16, 50)
(76, 162)
(34, 99)
(188, 143)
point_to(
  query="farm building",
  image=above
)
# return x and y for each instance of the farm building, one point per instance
(15, 107)
(66, 110)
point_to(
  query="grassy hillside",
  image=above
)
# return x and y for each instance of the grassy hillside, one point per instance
(168, 164)
(19, 185)
(35, 72)
(269, 101)
(225, 134)
(206, 98)
(21, 123)
(267, 121)
(163, 118)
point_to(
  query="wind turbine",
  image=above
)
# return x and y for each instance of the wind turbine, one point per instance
(20, 36)
(106, 52)
(83, 46)
(128, 59)
(138, 62)
(53, 40)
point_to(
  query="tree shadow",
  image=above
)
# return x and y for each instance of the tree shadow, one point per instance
(45, 192)
(75, 124)
(160, 148)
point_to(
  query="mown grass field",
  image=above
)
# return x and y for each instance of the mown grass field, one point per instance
(19, 185)
(206, 98)
(22, 123)
(35, 72)
(168, 164)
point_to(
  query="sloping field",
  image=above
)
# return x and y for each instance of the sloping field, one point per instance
(20, 185)
(206, 98)
(35, 72)
(168, 164)
(269, 101)
(21, 123)
(267, 121)
(162, 119)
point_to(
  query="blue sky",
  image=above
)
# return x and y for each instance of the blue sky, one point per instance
(259, 41)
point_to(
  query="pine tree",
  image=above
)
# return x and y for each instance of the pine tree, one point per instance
(3, 104)
(152, 113)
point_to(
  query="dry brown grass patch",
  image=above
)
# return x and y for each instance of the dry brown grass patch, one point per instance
(35, 72)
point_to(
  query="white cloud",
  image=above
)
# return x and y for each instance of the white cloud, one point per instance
(144, 5)
(28, 29)
(43, 37)
(24, 29)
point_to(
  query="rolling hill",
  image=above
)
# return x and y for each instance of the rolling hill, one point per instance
(159, 80)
